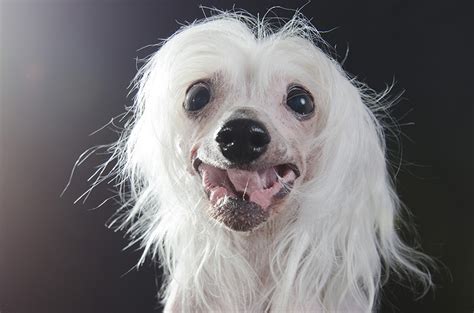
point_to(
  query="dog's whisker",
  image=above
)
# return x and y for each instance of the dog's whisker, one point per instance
(245, 189)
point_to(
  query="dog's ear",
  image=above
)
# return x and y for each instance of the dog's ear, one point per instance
(351, 169)
(350, 204)
(153, 131)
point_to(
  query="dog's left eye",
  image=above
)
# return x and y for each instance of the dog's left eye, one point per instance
(197, 96)
(300, 101)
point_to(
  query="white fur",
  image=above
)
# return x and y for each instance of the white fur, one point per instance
(332, 246)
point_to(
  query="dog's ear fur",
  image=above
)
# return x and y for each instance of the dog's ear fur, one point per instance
(350, 205)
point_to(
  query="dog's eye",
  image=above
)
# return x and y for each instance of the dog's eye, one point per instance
(197, 96)
(300, 100)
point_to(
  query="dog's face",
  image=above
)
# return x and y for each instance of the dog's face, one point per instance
(245, 114)
(249, 151)
(251, 110)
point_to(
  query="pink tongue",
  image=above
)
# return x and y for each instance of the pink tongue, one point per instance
(245, 181)
(248, 182)
(260, 186)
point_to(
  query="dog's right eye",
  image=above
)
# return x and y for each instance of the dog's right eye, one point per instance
(197, 96)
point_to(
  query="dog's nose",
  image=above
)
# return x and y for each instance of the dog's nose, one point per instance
(243, 140)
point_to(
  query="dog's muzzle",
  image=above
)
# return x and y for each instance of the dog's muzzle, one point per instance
(243, 193)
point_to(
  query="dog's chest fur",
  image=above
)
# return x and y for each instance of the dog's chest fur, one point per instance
(257, 249)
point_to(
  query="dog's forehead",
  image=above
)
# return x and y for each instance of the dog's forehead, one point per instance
(240, 59)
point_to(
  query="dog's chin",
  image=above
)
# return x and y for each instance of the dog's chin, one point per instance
(242, 199)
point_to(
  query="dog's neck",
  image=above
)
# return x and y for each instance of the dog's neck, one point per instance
(244, 265)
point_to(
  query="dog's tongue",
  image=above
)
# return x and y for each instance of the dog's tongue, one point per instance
(256, 186)
(248, 182)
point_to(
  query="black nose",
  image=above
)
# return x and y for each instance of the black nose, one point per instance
(243, 140)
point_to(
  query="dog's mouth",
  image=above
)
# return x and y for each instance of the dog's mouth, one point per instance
(243, 199)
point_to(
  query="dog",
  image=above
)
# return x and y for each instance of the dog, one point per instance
(254, 170)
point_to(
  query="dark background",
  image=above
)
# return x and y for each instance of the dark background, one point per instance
(65, 67)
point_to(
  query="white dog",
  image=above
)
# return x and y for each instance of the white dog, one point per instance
(256, 173)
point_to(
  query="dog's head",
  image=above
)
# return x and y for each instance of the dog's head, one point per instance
(236, 124)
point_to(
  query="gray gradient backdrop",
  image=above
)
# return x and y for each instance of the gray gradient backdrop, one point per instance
(65, 67)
